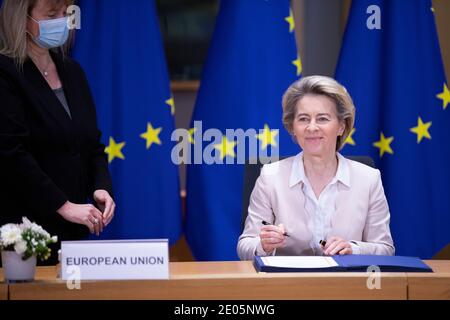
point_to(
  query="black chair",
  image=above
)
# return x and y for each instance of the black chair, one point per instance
(444, 254)
(253, 168)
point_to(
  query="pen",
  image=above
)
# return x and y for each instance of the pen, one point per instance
(270, 224)
(323, 243)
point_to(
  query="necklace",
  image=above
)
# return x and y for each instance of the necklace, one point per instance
(44, 71)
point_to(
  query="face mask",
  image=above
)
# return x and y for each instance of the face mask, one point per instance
(52, 33)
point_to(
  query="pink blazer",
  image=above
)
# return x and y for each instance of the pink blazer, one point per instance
(361, 216)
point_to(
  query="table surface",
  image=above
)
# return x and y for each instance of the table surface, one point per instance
(3, 291)
(239, 280)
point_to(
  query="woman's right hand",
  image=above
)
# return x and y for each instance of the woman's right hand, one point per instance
(272, 237)
(85, 214)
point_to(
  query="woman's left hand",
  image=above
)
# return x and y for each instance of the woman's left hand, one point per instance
(106, 204)
(336, 245)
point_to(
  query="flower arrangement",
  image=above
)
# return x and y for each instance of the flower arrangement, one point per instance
(26, 239)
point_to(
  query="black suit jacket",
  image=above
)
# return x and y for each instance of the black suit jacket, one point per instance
(47, 158)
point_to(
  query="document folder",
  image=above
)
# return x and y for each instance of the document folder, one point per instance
(344, 263)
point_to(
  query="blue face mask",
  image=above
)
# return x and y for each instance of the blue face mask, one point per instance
(52, 33)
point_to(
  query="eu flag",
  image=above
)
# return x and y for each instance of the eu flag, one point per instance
(120, 47)
(391, 65)
(251, 62)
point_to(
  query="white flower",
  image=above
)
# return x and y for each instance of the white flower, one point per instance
(20, 247)
(25, 223)
(27, 237)
(38, 229)
(10, 234)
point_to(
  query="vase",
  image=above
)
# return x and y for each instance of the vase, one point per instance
(17, 270)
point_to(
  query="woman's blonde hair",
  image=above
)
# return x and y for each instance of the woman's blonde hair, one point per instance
(324, 86)
(13, 27)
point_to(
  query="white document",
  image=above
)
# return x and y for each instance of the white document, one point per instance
(299, 262)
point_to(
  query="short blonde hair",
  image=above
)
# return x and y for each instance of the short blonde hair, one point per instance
(13, 26)
(324, 86)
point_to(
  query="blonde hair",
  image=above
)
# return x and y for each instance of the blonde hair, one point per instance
(13, 27)
(324, 86)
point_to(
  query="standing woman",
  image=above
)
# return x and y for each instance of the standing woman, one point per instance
(51, 159)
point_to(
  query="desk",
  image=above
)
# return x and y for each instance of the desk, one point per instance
(3, 287)
(3, 291)
(217, 280)
(238, 280)
(433, 286)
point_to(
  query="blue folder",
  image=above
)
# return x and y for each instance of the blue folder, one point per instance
(356, 263)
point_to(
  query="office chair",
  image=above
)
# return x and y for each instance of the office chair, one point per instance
(443, 254)
(252, 170)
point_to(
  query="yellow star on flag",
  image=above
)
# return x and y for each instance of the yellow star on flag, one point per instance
(444, 96)
(226, 148)
(349, 139)
(191, 135)
(268, 137)
(151, 135)
(298, 64)
(290, 20)
(421, 130)
(384, 144)
(171, 103)
(114, 150)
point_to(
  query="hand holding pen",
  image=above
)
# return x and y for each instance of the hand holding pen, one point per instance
(270, 224)
(336, 246)
(272, 236)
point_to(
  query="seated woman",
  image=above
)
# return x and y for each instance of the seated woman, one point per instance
(317, 202)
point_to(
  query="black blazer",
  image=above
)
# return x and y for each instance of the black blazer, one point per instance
(47, 158)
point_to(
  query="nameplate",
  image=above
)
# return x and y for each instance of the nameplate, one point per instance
(115, 259)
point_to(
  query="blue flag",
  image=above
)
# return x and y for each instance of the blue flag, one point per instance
(391, 65)
(251, 62)
(120, 47)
